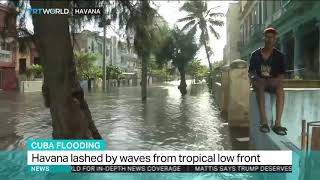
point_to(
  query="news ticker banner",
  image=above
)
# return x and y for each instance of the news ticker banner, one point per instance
(92, 156)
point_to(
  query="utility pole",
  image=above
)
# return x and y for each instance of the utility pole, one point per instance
(104, 60)
(103, 24)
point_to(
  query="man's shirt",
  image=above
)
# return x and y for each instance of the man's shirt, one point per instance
(269, 68)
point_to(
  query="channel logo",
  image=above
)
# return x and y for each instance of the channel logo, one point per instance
(65, 11)
(49, 11)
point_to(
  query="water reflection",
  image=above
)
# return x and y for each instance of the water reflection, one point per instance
(166, 121)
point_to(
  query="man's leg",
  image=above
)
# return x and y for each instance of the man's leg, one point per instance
(278, 85)
(259, 86)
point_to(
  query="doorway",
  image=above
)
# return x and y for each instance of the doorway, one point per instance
(1, 79)
(22, 66)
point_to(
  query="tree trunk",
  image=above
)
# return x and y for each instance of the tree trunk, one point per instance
(144, 74)
(89, 84)
(208, 57)
(183, 85)
(71, 117)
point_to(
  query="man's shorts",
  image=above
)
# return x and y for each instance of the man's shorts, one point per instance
(267, 84)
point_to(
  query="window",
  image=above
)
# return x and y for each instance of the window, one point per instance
(256, 15)
(260, 12)
(5, 57)
(1, 79)
(36, 60)
(273, 6)
(5, 46)
(122, 60)
(264, 11)
(107, 52)
(92, 46)
(100, 48)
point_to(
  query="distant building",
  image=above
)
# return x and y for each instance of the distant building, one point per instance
(88, 41)
(128, 59)
(27, 53)
(231, 50)
(117, 52)
(298, 25)
(8, 47)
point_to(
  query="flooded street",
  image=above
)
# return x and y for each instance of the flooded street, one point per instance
(167, 121)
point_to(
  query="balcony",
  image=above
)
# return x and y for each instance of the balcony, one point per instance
(5, 56)
(256, 33)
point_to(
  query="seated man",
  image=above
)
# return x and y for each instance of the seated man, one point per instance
(266, 72)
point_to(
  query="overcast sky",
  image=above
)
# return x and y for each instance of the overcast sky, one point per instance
(170, 11)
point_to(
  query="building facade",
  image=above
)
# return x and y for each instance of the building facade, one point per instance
(128, 59)
(88, 41)
(231, 50)
(8, 35)
(27, 53)
(298, 26)
(117, 52)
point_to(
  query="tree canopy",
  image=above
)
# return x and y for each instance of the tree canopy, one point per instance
(86, 67)
(200, 17)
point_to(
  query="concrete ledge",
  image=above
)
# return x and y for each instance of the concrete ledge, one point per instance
(217, 93)
(31, 86)
(291, 83)
(300, 103)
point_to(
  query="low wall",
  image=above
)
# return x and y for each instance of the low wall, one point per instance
(31, 86)
(238, 97)
(217, 93)
(300, 103)
(225, 91)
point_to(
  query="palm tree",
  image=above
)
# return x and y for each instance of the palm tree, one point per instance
(140, 20)
(71, 116)
(199, 16)
(180, 49)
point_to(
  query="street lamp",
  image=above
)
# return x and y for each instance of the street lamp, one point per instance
(103, 23)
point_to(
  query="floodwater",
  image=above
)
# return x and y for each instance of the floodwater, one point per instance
(167, 121)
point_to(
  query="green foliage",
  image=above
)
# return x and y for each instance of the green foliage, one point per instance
(179, 48)
(215, 75)
(36, 70)
(97, 71)
(200, 17)
(113, 72)
(209, 80)
(197, 71)
(86, 69)
(217, 65)
(139, 19)
(29, 74)
(160, 73)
